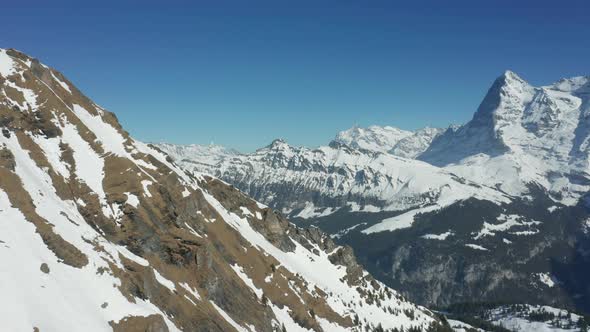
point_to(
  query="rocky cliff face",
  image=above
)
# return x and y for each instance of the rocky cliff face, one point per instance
(100, 231)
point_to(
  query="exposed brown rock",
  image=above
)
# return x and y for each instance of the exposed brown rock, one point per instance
(152, 323)
(7, 159)
(345, 256)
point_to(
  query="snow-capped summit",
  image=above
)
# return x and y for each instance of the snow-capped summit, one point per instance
(277, 143)
(208, 155)
(522, 135)
(373, 138)
(504, 100)
(578, 84)
(403, 143)
(415, 144)
(501, 108)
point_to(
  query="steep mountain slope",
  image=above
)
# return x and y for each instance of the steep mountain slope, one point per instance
(415, 144)
(101, 232)
(523, 135)
(437, 230)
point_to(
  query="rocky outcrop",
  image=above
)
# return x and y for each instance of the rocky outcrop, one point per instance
(153, 323)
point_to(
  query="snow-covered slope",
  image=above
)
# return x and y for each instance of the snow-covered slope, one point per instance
(101, 232)
(402, 143)
(310, 183)
(415, 144)
(535, 318)
(206, 156)
(373, 138)
(520, 317)
(523, 135)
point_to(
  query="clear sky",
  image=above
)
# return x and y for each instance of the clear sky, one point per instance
(241, 73)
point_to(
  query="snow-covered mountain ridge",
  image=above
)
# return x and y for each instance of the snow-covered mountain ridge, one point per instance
(457, 211)
(523, 135)
(373, 138)
(402, 143)
(101, 232)
(520, 136)
(308, 183)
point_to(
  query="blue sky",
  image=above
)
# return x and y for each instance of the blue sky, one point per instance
(241, 73)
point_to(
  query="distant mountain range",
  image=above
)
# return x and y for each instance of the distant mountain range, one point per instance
(395, 141)
(493, 210)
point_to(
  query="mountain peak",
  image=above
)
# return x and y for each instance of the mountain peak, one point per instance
(510, 82)
(277, 143)
(509, 74)
(373, 138)
(506, 93)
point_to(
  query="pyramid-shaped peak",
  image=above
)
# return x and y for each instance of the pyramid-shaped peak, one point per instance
(509, 77)
(511, 74)
(278, 143)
